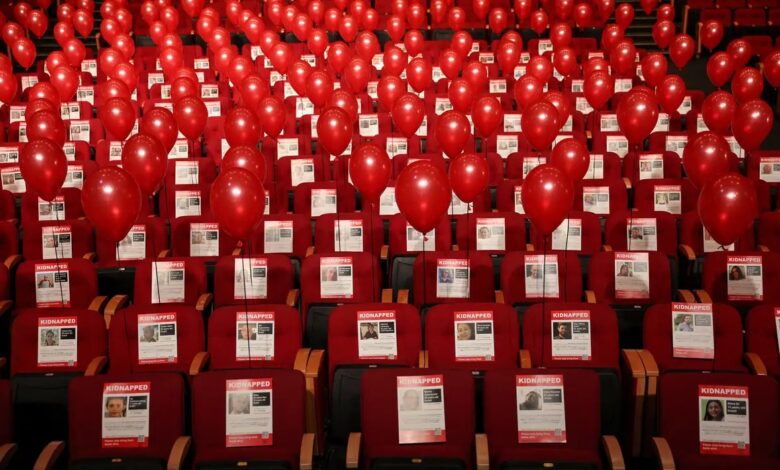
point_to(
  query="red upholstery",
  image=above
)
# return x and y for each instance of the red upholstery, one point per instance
(194, 280)
(325, 232)
(514, 231)
(156, 241)
(85, 411)
(379, 417)
(7, 205)
(672, 165)
(71, 197)
(715, 277)
(6, 413)
(481, 287)
(9, 239)
(717, 14)
(279, 277)
(601, 279)
(81, 238)
(181, 231)
(618, 198)
(345, 197)
(761, 336)
(82, 277)
(644, 193)
(615, 232)
(365, 271)
(397, 235)
(208, 424)
(591, 233)
(513, 275)
(692, 235)
(300, 230)
(749, 17)
(679, 418)
(769, 230)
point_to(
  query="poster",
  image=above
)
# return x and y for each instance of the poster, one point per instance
(56, 242)
(651, 166)
(204, 239)
(250, 279)
(541, 276)
(255, 338)
(632, 276)
(249, 412)
(157, 338)
(278, 236)
(452, 278)
(724, 428)
(518, 197)
(167, 282)
(336, 278)
(769, 169)
(668, 198)
(541, 413)
(474, 336)
(595, 167)
(323, 201)
(641, 234)
(416, 241)
(377, 335)
(52, 285)
(568, 235)
(348, 235)
(187, 203)
(420, 401)
(571, 335)
(595, 199)
(58, 341)
(54, 210)
(692, 331)
(301, 171)
(133, 246)
(125, 413)
(491, 234)
(745, 279)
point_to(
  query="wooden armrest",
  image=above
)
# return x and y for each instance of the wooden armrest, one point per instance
(353, 450)
(499, 297)
(307, 451)
(314, 366)
(403, 296)
(315, 363)
(687, 252)
(384, 253)
(203, 302)
(664, 453)
(179, 452)
(96, 366)
(627, 182)
(633, 363)
(117, 302)
(524, 359)
(686, 10)
(590, 297)
(614, 454)
(164, 254)
(199, 363)
(755, 363)
(704, 296)
(422, 360)
(5, 306)
(7, 452)
(648, 362)
(483, 455)
(606, 248)
(91, 257)
(632, 366)
(98, 303)
(455, 248)
(237, 251)
(529, 247)
(292, 297)
(387, 296)
(698, 38)
(763, 248)
(12, 261)
(588, 135)
(686, 295)
(301, 358)
(309, 251)
(49, 455)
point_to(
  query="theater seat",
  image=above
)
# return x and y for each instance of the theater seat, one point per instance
(761, 337)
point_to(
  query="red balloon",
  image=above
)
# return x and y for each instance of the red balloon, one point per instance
(114, 88)
(560, 35)
(317, 42)
(747, 84)
(273, 115)
(452, 132)
(654, 68)
(565, 61)
(682, 50)
(253, 89)
(367, 45)
(63, 32)
(414, 42)
(571, 156)
(610, 36)
(665, 12)
(562, 103)
(461, 43)
(408, 113)
(394, 61)
(499, 20)
(37, 23)
(706, 158)
(297, 74)
(66, 81)
(752, 124)
(671, 93)
(718, 111)
(190, 114)
(357, 74)
(583, 15)
(8, 86)
(338, 56)
(648, 5)
(507, 56)
(594, 64)
(528, 90)
(622, 57)
(301, 27)
(334, 129)
(477, 75)
(663, 33)
(487, 115)
(598, 88)
(319, 87)
(624, 15)
(480, 8)
(192, 7)
(241, 127)
(45, 91)
(741, 51)
(160, 124)
(184, 87)
(711, 34)
(523, 9)
(456, 19)
(540, 124)
(126, 74)
(547, 197)
(345, 100)
(772, 68)
(395, 28)
(245, 157)
(240, 68)
(280, 57)
(423, 195)
(418, 74)
(45, 125)
(720, 67)
(24, 51)
(44, 167)
(112, 202)
(539, 21)
(389, 89)
(541, 68)
(469, 176)
(727, 207)
(563, 8)
(83, 21)
(118, 117)
(145, 159)
(268, 39)
(108, 59)
(370, 169)
(637, 115)
(237, 200)
(171, 60)
(348, 28)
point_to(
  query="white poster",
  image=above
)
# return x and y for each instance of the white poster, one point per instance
(255, 335)
(595, 167)
(541, 414)
(187, 203)
(769, 169)
(745, 279)
(595, 199)
(387, 204)
(249, 412)
(777, 326)
(186, 172)
(641, 234)
(377, 335)
(79, 130)
(724, 428)
(452, 278)
(568, 235)
(676, 144)
(651, 166)
(632, 276)
(497, 86)
(125, 414)
(458, 207)
(58, 341)
(56, 242)
(396, 146)
(518, 196)
(474, 336)
(74, 178)
(571, 337)
(710, 245)
(416, 241)
(506, 145)
(323, 201)
(52, 285)
(529, 163)
(668, 198)
(204, 239)
(115, 151)
(287, 147)
(491, 234)
(512, 122)
(157, 338)
(167, 281)
(692, 331)
(250, 278)
(348, 235)
(735, 147)
(420, 402)
(181, 149)
(617, 144)
(336, 278)
(133, 246)
(12, 180)
(301, 171)
(541, 276)
(9, 154)
(368, 125)
(278, 236)
(54, 210)
(609, 123)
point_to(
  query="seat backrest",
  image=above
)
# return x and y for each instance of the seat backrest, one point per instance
(286, 391)
(358, 231)
(146, 239)
(452, 333)
(692, 235)
(640, 228)
(659, 195)
(169, 288)
(440, 277)
(9, 239)
(564, 238)
(761, 336)
(58, 240)
(524, 280)
(491, 232)
(38, 284)
(604, 267)
(271, 339)
(260, 279)
(35, 209)
(6, 413)
(289, 234)
(87, 397)
(182, 201)
(314, 199)
(769, 230)
(602, 197)
(320, 279)
(195, 236)
(7, 205)
(404, 239)
(725, 276)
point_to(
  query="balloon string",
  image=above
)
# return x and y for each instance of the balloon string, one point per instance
(246, 309)
(545, 240)
(56, 237)
(425, 272)
(373, 253)
(566, 255)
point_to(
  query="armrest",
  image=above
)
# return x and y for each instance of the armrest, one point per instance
(627, 182)
(687, 252)
(49, 455)
(164, 254)
(237, 251)
(636, 380)
(309, 251)
(96, 366)
(403, 296)
(117, 302)
(455, 248)
(590, 297)
(529, 247)
(7, 452)
(12, 261)
(664, 453)
(384, 253)
(524, 359)
(422, 360)
(633, 363)
(199, 363)
(203, 302)
(314, 367)
(91, 257)
(686, 10)
(704, 296)
(98, 303)
(614, 454)
(301, 358)
(292, 297)
(686, 295)
(606, 248)
(763, 248)
(648, 362)
(353, 450)
(307, 451)
(588, 135)
(387, 296)
(179, 452)
(483, 454)
(499, 296)
(5, 306)
(755, 363)
(698, 37)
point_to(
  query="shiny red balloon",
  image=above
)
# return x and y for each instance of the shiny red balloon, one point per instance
(563, 104)
(654, 68)
(706, 158)
(461, 95)
(357, 74)
(241, 127)
(671, 93)
(334, 130)
(65, 80)
(541, 68)
(747, 84)
(528, 90)
(389, 89)
(637, 115)
(145, 159)
(44, 167)
(547, 197)
(718, 111)
(117, 116)
(452, 132)
(273, 115)
(237, 201)
(160, 124)
(663, 33)
(752, 124)
(111, 200)
(540, 124)
(571, 156)
(253, 90)
(423, 195)
(408, 113)
(45, 125)
(394, 61)
(24, 51)
(741, 51)
(720, 67)
(319, 87)
(727, 207)
(508, 57)
(622, 56)
(598, 88)
(418, 74)
(245, 157)
(190, 114)
(344, 100)
(772, 68)
(487, 115)
(711, 34)
(370, 169)
(8, 86)
(469, 176)
(682, 50)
